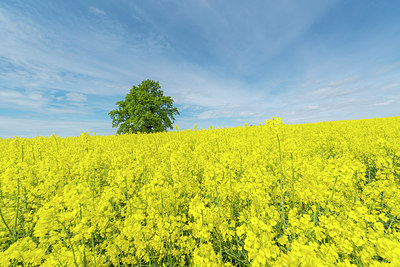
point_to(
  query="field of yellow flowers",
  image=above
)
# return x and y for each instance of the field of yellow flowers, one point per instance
(320, 194)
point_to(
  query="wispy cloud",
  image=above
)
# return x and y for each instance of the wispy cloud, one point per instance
(96, 11)
(23, 101)
(384, 103)
(344, 82)
(387, 68)
(311, 107)
(389, 101)
(24, 127)
(223, 64)
(76, 97)
(236, 111)
(391, 86)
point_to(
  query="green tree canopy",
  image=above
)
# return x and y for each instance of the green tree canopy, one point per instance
(145, 109)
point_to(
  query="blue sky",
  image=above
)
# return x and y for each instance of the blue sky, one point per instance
(64, 64)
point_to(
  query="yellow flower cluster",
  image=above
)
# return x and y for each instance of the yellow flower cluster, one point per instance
(321, 194)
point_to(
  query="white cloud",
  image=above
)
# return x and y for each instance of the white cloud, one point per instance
(227, 112)
(86, 58)
(23, 101)
(322, 90)
(385, 103)
(391, 86)
(29, 128)
(96, 11)
(334, 92)
(76, 97)
(44, 103)
(139, 14)
(310, 83)
(311, 107)
(344, 82)
(63, 110)
(106, 59)
(387, 68)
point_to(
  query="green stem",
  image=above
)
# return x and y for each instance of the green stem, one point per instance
(391, 222)
(293, 179)
(162, 205)
(94, 252)
(84, 262)
(355, 193)
(8, 228)
(128, 197)
(147, 248)
(16, 211)
(33, 155)
(219, 219)
(281, 185)
(22, 153)
(333, 191)
(93, 184)
(70, 243)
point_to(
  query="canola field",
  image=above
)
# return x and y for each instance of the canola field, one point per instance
(321, 194)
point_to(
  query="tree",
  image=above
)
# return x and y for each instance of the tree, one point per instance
(145, 109)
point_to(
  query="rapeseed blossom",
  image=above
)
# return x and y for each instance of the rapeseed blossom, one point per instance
(320, 194)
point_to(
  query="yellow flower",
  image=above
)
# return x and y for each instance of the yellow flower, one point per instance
(283, 195)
